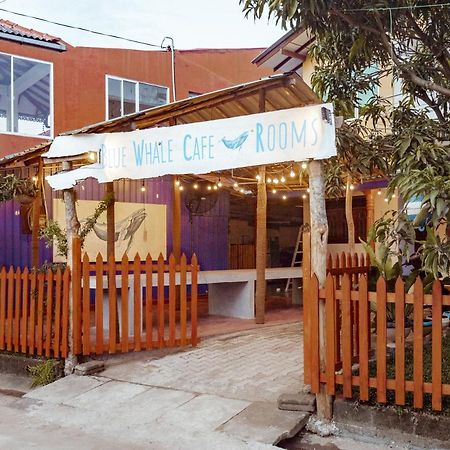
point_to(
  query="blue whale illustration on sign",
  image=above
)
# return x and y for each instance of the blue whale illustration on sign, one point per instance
(236, 143)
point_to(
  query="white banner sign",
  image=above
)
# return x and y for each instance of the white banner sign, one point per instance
(294, 134)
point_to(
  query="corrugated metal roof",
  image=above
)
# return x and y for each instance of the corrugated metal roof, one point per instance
(288, 53)
(14, 31)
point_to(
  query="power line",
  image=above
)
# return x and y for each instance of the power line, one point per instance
(393, 8)
(73, 27)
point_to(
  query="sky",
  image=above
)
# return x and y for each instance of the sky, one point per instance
(191, 23)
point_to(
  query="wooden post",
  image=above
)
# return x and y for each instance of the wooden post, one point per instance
(370, 208)
(72, 229)
(349, 215)
(261, 233)
(261, 246)
(36, 215)
(306, 269)
(319, 241)
(176, 220)
(110, 222)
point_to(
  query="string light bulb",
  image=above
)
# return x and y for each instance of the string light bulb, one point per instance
(241, 191)
(308, 190)
(275, 181)
(282, 179)
(219, 184)
(92, 156)
(215, 187)
(177, 183)
(303, 196)
(236, 185)
(393, 195)
(379, 192)
(274, 191)
(142, 188)
(181, 188)
(34, 178)
(304, 165)
(269, 180)
(284, 197)
(195, 186)
(352, 188)
(258, 177)
(292, 174)
(209, 188)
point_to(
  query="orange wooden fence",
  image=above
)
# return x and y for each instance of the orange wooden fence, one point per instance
(161, 296)
(343, 263)
(106, 293)
(34, 315)
(242, 256)
(372, 363)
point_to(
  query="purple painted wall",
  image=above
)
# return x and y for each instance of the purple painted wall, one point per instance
(207, 236)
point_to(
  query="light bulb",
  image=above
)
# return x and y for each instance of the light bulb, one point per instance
(308, 191)
(292, 174)
(303, 196)
(386, 200)
(236, 185)
(304, 165)
(379, 192)
(269, 180)
(352, 187)
(258, 177)
(195, 186)
(274, 191)
(282, 179)
(215, 187)
(284, 197)
(177, 182)
(241, 191)
(219, 184)
(92, 156)
(393, 195)
(275, 181)
(209, 188)
(142, 188)
(34, 178)
(181, 188)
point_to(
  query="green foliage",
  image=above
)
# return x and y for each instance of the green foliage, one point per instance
(53, 233)
(43, 373)
(11, 186)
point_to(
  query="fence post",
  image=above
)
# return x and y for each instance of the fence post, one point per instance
(74, 339)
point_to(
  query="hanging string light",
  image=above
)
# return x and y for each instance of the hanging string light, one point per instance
(284, 197)
(269, 180)
(177, 182)
(258, 177)
(215, 187)
(236, 185)
(195, 186)
(181, 188)
(143, 187)
(275, 181)
(379, 192)
(292, 174)
(274, 191)
(209, 187)
(304, 165)
(283, 179)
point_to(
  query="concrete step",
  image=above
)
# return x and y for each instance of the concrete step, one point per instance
(15, 385)
(264, 422)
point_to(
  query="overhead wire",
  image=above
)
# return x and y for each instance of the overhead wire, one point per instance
(87, 30)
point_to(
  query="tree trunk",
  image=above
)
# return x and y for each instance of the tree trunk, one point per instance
(319, 241)
(72, 229)
(349, 215)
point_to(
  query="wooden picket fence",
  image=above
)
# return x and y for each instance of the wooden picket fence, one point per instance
(34, 314)
(35, 317)
(130, 287)
(364, 367)
(338, 265)
(242, 256)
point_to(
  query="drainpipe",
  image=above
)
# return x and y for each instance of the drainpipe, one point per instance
(171, 48)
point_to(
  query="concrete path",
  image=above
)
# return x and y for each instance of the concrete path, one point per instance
(220, 395)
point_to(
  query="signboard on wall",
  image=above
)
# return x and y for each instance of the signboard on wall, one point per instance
(295, 134)
(139, 228)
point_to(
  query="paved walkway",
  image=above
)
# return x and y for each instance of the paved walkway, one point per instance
(220, 395)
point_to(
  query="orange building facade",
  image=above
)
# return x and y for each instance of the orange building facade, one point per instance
(48, 87)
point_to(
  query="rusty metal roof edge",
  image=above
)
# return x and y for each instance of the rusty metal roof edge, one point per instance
(272, 79)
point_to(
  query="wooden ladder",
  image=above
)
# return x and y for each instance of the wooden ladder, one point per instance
(297, 257)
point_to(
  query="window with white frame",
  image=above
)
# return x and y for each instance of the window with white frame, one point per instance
(127, 96)
(25, 96)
